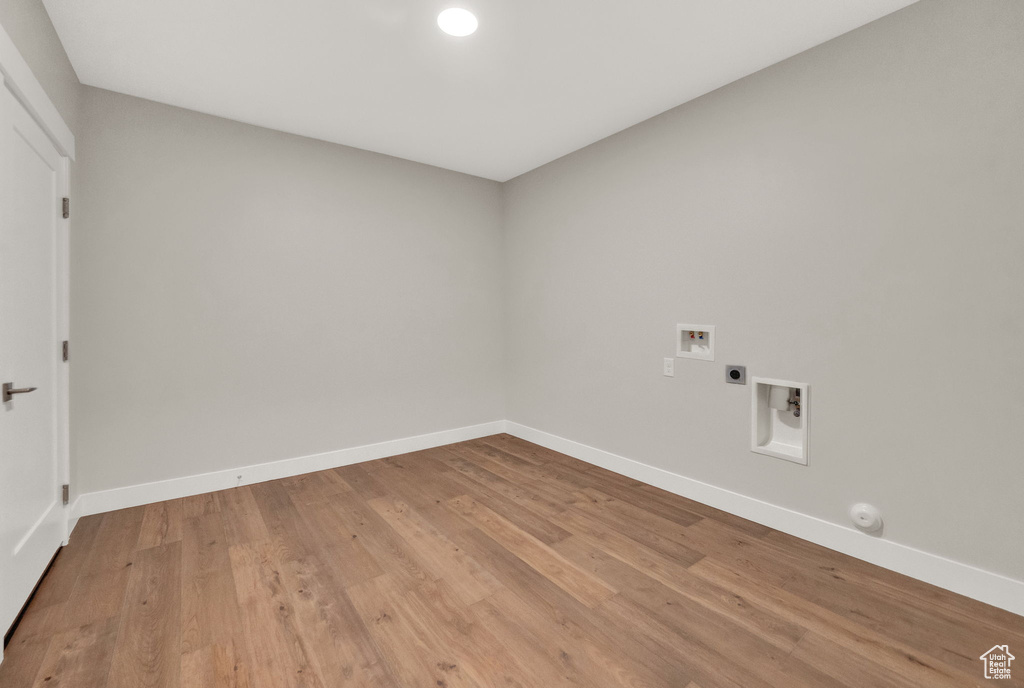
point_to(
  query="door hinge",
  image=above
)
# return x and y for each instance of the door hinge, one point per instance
(65, 493)
(65, 207)
(64, 350)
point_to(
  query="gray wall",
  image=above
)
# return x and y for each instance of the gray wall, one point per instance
(242, 296)
(850, 218)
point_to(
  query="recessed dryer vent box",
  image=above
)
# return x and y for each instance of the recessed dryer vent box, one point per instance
(779, 419)
(695, 341)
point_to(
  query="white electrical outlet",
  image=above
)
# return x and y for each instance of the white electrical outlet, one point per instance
(669, 367)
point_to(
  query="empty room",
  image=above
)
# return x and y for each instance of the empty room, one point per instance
(490, 344)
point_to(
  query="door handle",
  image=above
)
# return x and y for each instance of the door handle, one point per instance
(9, 390)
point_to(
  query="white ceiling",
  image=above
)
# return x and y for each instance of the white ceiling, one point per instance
(539, 79)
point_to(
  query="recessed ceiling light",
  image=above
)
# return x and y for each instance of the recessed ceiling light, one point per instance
(457, 22)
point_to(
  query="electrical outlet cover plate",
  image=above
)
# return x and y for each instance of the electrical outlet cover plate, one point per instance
(700, 348)
(736, 375)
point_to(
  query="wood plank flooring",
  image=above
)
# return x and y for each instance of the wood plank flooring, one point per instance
(487, 563)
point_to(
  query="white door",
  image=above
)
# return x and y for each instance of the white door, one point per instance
(32, 518)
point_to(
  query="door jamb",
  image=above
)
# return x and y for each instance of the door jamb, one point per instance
(63, 324)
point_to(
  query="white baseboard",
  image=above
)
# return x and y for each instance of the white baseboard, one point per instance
(988, 587)
(964, 579)
(173, 488)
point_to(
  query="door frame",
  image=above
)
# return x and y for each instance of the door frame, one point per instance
(17, 77)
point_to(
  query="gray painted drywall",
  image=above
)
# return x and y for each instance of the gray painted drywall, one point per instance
(242, 296)
(850, 218)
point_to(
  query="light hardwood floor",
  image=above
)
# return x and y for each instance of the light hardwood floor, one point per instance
(486, 563)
